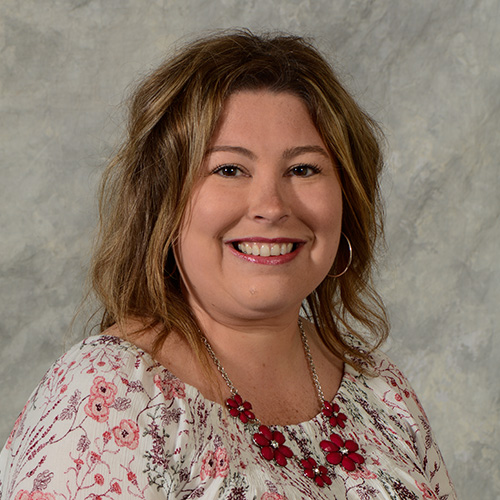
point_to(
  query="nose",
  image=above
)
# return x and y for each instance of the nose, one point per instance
(270, 199)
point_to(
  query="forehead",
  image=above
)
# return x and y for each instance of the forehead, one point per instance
(263, 116)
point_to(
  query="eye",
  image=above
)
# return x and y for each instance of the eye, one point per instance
(228, 170)
(304, 170)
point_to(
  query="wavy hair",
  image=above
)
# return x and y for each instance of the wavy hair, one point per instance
(147, 185)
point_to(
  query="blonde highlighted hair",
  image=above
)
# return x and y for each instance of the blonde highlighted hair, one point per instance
(147, 185)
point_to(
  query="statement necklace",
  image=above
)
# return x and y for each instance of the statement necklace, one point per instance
(272, 442)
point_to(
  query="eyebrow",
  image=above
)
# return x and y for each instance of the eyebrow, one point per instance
(288, 154)
(233, 149)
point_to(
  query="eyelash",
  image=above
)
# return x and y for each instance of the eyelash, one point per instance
(220, 168)
(315, 168)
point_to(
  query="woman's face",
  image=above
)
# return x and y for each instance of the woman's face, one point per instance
(264, 220)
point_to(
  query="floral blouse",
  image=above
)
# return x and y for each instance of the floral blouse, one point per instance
(108, 422)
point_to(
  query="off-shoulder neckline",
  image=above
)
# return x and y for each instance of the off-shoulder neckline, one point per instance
(195, 393)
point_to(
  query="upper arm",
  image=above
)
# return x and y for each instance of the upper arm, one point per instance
(424, 442)
(81, 432)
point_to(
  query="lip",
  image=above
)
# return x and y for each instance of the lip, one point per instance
(272, 260)
(258, 239)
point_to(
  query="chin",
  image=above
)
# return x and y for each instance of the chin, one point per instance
(265, 304)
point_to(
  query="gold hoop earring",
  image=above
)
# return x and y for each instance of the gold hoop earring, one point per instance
(348, 262)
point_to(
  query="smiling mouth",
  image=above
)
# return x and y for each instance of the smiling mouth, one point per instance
(264, 249)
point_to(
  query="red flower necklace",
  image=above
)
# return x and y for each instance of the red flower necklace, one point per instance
(272, 442)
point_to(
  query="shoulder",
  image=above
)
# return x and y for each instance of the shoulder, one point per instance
(386, 387)
(381, 370)
(390, 417)
(95, 376)
(387, 395)
(387, 370)
(397, 397)
(103, 359)
(80, 424)
(91, 348)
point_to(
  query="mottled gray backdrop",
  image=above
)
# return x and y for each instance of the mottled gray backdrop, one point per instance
(429, 71)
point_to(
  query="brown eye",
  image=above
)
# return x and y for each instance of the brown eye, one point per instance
(304, 170)
(228, 171)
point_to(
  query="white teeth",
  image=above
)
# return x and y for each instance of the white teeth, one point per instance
(275, 249)
(265, 249)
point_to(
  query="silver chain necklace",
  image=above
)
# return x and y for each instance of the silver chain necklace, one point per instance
(307, 352)
(271, 442)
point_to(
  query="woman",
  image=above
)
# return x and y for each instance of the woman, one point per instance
(246, 192)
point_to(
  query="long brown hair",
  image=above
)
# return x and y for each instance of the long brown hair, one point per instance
(146, 187)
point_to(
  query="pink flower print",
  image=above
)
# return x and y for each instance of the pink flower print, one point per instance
(208, 465)
(177, 388)
(35, 495)
(158, 382)
(16, 426)
(427, 492)
(363, 473)
(22, 495)
(272, 496)
(103, 389)
(171, 388)
(97, 409)
(99, 479)
(127, 434)
(78, 463)
(221, 462)
(38, 495)
(116, 488)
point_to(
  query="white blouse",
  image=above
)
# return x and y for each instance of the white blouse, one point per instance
(108, 422)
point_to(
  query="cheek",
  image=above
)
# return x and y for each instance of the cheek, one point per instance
(200, 239)
(325, 209)
(325, 212)
(213, 210)
(192, 255)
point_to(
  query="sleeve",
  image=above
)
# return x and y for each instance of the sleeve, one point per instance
(404, 397)
(82, 433)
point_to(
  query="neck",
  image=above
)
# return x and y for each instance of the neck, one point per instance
(271, 389)
(264, 347)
